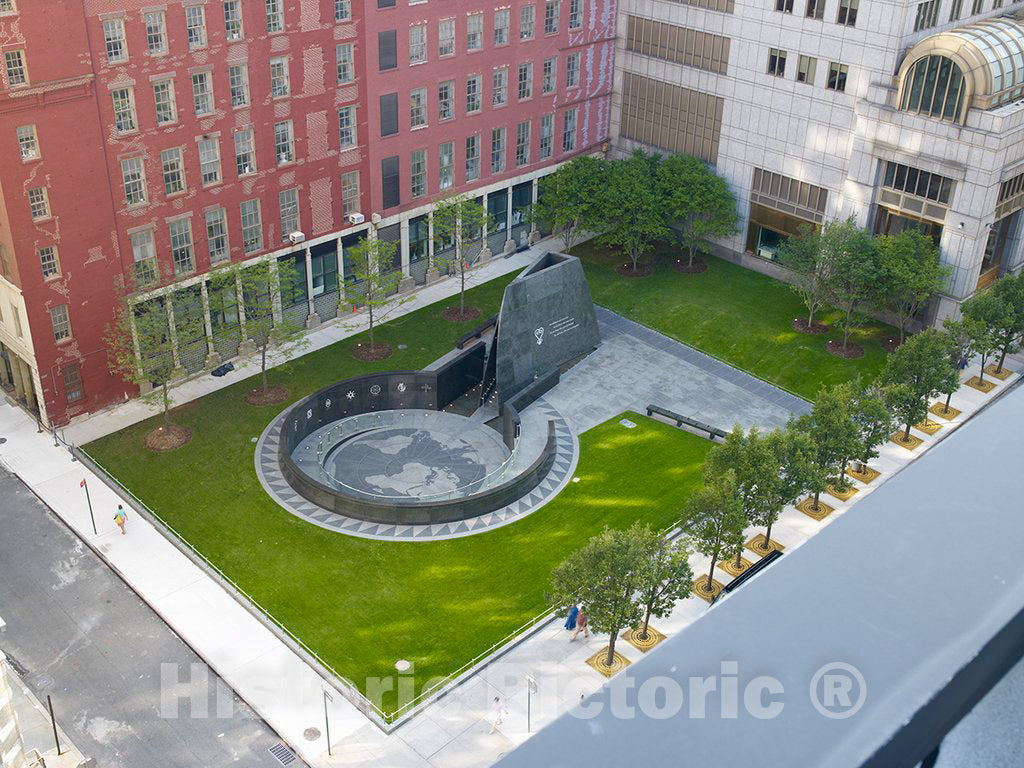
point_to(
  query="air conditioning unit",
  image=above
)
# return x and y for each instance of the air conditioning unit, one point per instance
(356, 218)
(296, 237)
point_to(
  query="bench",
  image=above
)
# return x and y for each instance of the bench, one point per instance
(680, 420)
(477, 332)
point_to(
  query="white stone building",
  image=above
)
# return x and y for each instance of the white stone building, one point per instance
(896, 113)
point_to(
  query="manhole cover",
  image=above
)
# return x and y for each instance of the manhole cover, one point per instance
(3, 440)
(41, 682)
(311, 734)
(403, 666)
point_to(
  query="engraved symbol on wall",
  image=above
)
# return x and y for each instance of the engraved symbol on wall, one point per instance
(539, 335)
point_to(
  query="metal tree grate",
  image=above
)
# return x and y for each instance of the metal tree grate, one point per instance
(284, 755)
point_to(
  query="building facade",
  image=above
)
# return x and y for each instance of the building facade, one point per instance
(898, 114)
(147, 143)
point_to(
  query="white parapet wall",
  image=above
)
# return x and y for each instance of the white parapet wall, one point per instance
(12, 749)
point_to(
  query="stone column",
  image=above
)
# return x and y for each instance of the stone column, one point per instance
(510, 244)
(432, 274)
(12, 748)
(179, 370)
(275, 288)
(344, 307)
(29, 383)
(534, 232)
(5, 380)
(248, 346)
(18, 381)
(312, 318)
(485, 250)
(407, 283)
(212, 358)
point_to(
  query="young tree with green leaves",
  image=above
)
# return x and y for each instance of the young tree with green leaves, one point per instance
(376, 282)
(568, 199)
(696, 202)
(910, 274)
(793, 453)
(802, 255)
(959, 334)
(605, 578)
(630, 208)
(832, 430)
(714, 520)
(665, 575)
(915, 371)
(1007, 334)
(459, 219)
(852, 257)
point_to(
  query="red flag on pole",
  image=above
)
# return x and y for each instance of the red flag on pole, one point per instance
(82, 484)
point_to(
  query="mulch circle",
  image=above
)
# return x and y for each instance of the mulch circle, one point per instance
(452, 314)
(168, 437)
(698, 266)
(272, 396)
(626, 270)
(373, 354)
(850, 352)
(800, 326)
(890, 345)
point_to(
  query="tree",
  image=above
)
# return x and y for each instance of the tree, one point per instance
(916, 370)
(1006, 333)
(910, 273)
(852, 273)
(802, 255)
(794, 456)
(714, 520)
(459, 219)
(959, 337)
(630, 209)
(264, 287)
(833, 433)
(873, 419)
(568, 199)
(377, 279)
(142, 349)
(696, 202)
(604, 577)
(665, 575)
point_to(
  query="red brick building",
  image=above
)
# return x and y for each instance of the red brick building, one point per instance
(144, 142)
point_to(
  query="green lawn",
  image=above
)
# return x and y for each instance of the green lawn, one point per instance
(361, 605)
(734, 314)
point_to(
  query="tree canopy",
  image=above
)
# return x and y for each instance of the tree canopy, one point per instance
(915, 371)
(631, 214)
(696, 202)
(909, 272)
(569, 199)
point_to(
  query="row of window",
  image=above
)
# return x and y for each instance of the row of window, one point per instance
(927, 15)
(846, 13)
(807, 69)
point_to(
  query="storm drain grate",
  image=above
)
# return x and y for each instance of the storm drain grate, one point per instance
(284, 755)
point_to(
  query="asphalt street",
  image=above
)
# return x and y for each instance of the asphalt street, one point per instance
(75, 631)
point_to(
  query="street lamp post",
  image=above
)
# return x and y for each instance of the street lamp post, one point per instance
(531, 688)
(327, 721)
(85, 484)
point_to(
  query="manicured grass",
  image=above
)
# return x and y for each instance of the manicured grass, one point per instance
(361, 605)
(736, 315)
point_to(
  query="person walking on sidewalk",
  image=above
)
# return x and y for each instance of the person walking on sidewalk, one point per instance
(581, 624)
(120, 518)
(498, 712)
(570, 622)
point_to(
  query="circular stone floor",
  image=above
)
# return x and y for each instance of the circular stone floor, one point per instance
(535, 417)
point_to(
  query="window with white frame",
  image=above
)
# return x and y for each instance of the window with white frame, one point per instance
(525, 89)
(284, 142)
(347, 127)
(527, 22)
(181, 246)
(156, 32)
(342, 10)
(815, 9)
(350, 193)
(245, 151)
(837, 74)
(472, 158)
(473, 94)
(847, 13)
(252, 226)
(418, 173)
(28, 144)
(446, 37)
(417, 107)
(7, 7)
(572, 70)
(202, 92)
(446, 165)
(776, 62)
(144, 257)
(173, 169)
(446, 100)
(39, 203)
(195, 26)
(209, 160)
(522, 144)
(927, 15)
(280, 84)
(238, 83)
(17, 319)
(61, 322)
(474, 31)
(233, 20)
(275, 16)
(17, 73)
(549, 75)
(346, 63)
(49, 262)
(547, 130)
(133, 175)
(124, 110)
(288, 200)
(113, 41)
(497, 150)
(501, 25)
(417, 43)
(217, 234)
(164, 102)
(499, 86)
(805, 69)
(569, 130)
(575, 14)
(956, 9)
(551, 17)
